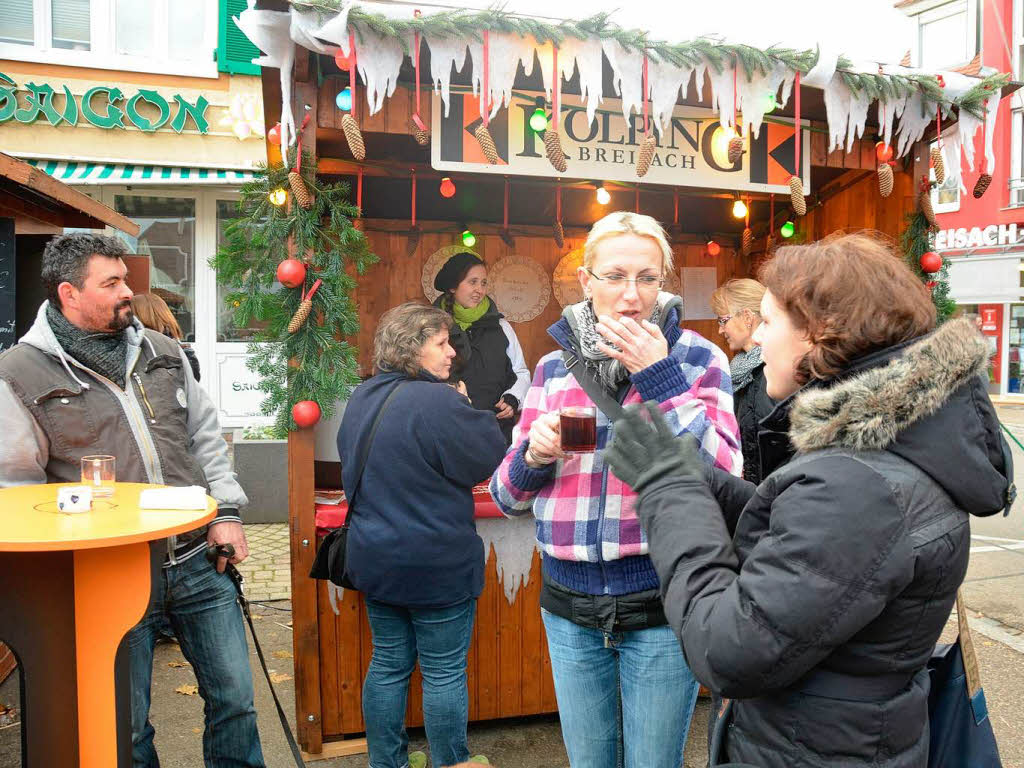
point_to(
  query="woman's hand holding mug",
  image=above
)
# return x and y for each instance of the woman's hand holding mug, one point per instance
(545, 441)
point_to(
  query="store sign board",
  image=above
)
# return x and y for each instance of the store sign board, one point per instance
(146, 109)
(240, 395)
(991, 236)
(692, 152)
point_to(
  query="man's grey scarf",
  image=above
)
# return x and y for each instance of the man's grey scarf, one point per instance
(609, 373)
(741, 369)
(104, 353)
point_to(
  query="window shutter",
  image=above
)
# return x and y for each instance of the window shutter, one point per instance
(234, 51)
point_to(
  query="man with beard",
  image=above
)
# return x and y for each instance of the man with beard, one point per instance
(89, 379)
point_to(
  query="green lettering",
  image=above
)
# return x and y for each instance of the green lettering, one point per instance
(153, 98)
(114, 117)
(8, 98)
(70, 107)
(40, 102)
(197, 111)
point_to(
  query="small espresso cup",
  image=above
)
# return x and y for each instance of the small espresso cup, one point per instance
(98, 473)
(578, 428)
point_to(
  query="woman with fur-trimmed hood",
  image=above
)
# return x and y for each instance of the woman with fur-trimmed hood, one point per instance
(813, 602)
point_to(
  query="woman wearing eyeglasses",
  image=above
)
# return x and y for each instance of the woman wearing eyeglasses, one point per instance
(622, 684)
(738, 306)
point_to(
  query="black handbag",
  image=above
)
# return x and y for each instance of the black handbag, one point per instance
(960, 732)
(329, 562)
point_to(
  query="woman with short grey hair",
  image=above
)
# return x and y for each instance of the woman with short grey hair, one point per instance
(411, 449)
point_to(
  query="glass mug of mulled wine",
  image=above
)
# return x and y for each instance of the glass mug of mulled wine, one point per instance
(578, 428)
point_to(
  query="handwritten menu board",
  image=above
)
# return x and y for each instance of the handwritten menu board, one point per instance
(698, 285)
(520, 286)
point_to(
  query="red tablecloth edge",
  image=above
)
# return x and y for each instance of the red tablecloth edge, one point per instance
(333, 515)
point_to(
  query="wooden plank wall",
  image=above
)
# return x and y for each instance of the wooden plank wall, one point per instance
(860, 206)
(509, 668)
(397, 278)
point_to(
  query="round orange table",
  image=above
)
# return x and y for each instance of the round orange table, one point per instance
(71, 586)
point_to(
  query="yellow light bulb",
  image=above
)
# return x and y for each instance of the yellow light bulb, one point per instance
(739, 209)
(278, 197)
(603, 196)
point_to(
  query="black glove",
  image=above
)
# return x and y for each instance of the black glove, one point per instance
(644, 450)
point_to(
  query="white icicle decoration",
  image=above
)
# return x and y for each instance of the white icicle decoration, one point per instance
(627, 69)
(990, 127)
(891, 110)
(445, 53)
(837, 111)
(722, 93)
(951, 156)
(586, 57)
(269, 31)
(664, 81)
(305, 30)
(913, 123)
(379, 60)
(753, 95)
(507, 51)
(514, 542)
(857, 118)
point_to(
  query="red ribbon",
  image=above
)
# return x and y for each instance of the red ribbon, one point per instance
(486, 90)
(309, 294)
(637, 203)
(647, 125)
(359, 190)
(557, 82)
(675, 206)
(352, 67)
(796, 127)
(414, 198)
(416, 62)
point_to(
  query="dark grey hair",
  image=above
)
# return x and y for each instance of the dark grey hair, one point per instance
(66, 259)
(401, 334)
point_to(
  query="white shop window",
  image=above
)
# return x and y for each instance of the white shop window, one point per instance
(947, 32)
(176, 37)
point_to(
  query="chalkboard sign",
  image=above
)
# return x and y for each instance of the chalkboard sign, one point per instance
(8, 337)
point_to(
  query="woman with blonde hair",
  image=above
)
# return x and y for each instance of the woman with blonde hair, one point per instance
(625, 694)
(154, 313)
(738, 307)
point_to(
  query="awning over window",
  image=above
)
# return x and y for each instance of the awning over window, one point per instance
(118, 173)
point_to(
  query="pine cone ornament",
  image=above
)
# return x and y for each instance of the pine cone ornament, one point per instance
(354, 136)
(747, 241)
(300, 315)
(645, 154)
(553, 147)
(422, 137)
(735, 148)
(769, 244)
(939, 165)
(982, 184)
(559, 234)
(487, 144)
(924, 200)
(885, 179)
(300, 191)
(796, 193)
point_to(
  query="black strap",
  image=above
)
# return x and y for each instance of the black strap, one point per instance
(605, 402)
(366, 451)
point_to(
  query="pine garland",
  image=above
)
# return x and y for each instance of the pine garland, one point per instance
(255, 243)
(915, 241)
(470, 24)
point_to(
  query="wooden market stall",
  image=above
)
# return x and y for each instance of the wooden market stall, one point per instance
(422, 179)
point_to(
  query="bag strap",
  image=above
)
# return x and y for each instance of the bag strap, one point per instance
(366, 449)
(605, 402)
(971, 670)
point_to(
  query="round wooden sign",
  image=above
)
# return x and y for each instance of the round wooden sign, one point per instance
(433, 265)
(566, 281)
(520, 286)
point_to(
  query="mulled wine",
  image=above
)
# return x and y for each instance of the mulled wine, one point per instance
(578, 428)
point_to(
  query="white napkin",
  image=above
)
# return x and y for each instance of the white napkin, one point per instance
(192, 497)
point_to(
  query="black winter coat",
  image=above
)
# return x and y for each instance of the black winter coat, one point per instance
(412, 540)
(751, 404)
(815, 599)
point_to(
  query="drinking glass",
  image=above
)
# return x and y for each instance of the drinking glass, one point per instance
(98, 474)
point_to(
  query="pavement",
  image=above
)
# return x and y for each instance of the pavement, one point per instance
(993, 588)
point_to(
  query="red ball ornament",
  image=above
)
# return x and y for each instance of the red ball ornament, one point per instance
(883, 152)
(931, 285)
(931, 262)
(341, 60)
(291, 273)
(447, 188)
(274, 135)
(713, 248)
(306, 413)
(942, 81)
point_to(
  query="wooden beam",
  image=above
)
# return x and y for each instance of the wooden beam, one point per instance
(68, 197)
(17, 208)
(333, 749)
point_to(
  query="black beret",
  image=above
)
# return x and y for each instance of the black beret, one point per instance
(451, 274)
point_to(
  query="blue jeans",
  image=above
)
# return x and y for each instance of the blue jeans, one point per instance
(203, 610)
(624, 698)
(439, 638)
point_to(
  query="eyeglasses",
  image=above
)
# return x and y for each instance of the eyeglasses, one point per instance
(723, 320)
(644, 282)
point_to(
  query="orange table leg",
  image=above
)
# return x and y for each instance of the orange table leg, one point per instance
(112, 590)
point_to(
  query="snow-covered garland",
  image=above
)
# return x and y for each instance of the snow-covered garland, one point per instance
(908, 99)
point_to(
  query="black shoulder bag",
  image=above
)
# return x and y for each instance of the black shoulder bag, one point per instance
(330, 556)
(605, 402)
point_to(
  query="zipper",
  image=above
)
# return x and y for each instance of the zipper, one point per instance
(142, 389)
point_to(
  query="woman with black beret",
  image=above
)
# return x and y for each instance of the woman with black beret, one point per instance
(489, 358)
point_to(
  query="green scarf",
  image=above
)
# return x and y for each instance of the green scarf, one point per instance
(465, 317)
(104, 353)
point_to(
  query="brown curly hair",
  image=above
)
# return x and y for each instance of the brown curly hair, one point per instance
(401, 333)
(852, 294)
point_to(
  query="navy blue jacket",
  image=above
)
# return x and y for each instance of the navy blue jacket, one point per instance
(412, 539)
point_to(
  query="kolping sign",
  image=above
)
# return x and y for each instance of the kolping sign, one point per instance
(692, 151)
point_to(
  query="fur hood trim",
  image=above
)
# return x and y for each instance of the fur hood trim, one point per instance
(867, 410)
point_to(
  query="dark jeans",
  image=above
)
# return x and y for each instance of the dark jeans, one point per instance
(203, 610)
(439, 638)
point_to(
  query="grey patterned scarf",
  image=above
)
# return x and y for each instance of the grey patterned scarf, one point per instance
(741, 369)
(609, 373)
(104, 353)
